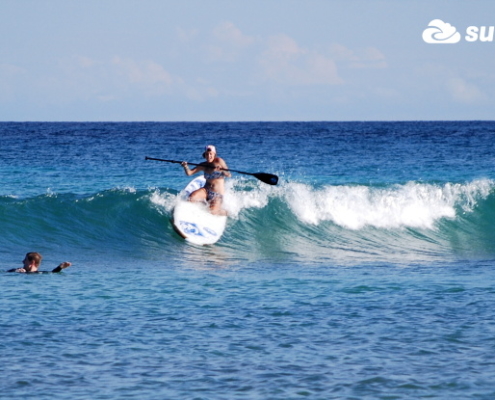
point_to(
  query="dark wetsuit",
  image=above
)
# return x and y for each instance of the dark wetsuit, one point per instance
(58, 269)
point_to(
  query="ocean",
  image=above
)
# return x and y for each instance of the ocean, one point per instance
(368, 272)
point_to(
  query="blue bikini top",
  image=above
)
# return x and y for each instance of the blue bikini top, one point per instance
(213, 175)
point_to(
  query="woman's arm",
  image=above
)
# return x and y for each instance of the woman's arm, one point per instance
(223, 165)
(188, 171)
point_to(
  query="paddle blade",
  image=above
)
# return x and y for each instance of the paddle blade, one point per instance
(267, 178)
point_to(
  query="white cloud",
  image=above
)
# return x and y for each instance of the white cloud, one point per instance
(464, 92)
(85, 62)
(143, 72)
(285, 62)
(322, 70)
(200, 92)
(452, 83)
(227, 43)
(369, 57)
(283, 48)
(342, 53)
(373, 54)
(187, 35)
(229, 33)
(106, 80)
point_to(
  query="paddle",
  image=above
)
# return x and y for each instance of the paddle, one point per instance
(270, 179)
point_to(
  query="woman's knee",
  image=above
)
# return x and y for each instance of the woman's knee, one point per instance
(198, 195)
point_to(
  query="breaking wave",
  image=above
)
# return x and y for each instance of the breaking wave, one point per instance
(293, 222)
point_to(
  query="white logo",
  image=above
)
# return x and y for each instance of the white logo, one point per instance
(482, 33)
(441, 32)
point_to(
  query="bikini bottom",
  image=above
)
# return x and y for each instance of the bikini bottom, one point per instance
(211, 195)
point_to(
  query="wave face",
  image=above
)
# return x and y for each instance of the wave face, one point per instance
(293, 222)
(413, 221)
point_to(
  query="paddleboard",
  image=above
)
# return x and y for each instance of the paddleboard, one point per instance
(194, 221)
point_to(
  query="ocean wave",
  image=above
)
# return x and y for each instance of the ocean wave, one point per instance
(412, 205)
(292, 221)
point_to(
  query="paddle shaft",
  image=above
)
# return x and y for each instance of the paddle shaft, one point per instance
(190, 163)
(267, 178)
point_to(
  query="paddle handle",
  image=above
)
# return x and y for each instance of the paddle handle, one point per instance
(170, 161)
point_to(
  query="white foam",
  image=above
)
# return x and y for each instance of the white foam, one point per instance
(237, 198)
(415, 205)
(164, 201)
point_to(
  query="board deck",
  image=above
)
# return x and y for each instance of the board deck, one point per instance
(194, 221)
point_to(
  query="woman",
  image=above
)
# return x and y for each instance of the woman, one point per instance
(214, 173)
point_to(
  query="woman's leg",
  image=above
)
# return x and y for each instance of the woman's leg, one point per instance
(216, 206)
(198, 195)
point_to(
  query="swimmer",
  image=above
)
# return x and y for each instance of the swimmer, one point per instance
(32, 262)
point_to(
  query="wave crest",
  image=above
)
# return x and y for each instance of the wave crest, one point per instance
(414, 205)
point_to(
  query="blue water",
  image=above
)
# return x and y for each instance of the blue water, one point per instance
(368, 272)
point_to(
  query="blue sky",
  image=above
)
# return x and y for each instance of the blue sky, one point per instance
(257, 60)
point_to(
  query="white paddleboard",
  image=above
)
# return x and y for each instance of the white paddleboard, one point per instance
(194, 221)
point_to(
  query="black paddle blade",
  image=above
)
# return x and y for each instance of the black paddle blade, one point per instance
(267, 178)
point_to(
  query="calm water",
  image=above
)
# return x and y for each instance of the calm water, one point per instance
(367, 273)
